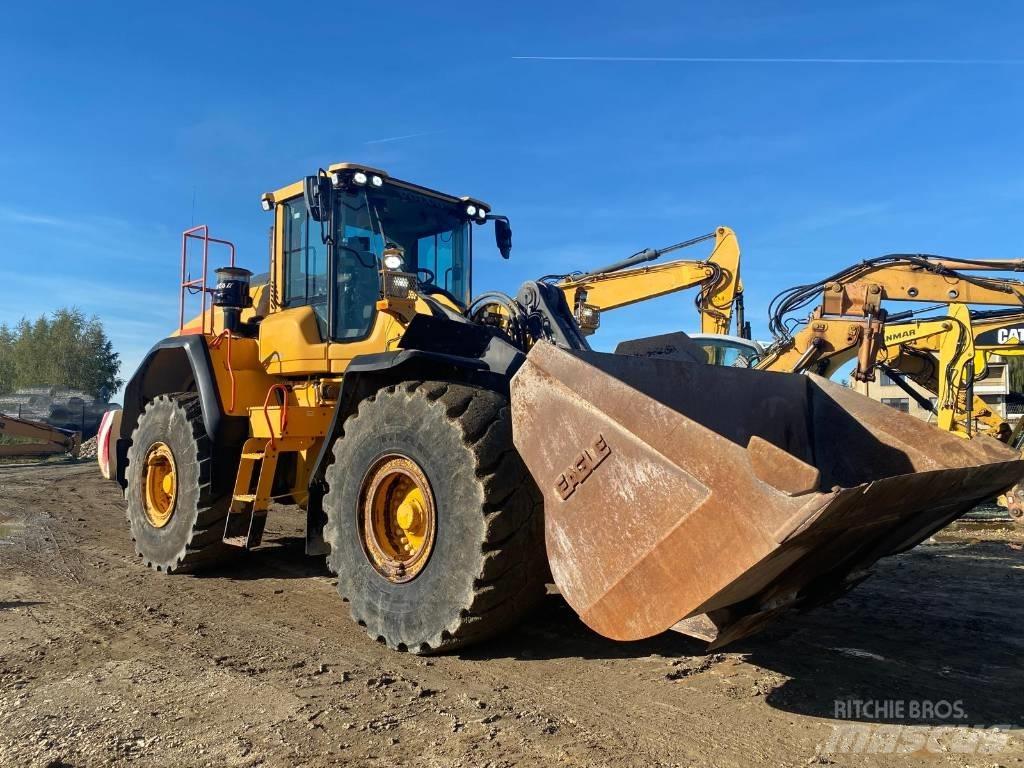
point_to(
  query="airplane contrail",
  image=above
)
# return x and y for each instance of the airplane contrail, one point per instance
(759, 60)
(402, 138)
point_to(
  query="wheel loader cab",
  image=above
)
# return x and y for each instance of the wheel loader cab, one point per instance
(349, 243)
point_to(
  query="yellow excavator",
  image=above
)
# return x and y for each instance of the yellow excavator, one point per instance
(847, 321)
(941, 354)
(451, 458)
(995, 332)
(937, 352)
(721, 291)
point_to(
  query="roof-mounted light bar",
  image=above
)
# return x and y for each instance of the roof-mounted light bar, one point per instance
(356, 178)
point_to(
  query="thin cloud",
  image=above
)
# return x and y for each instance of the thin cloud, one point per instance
(24, 217)
(389, 139)
(84, 236)
(761, 60)
(91, 295)
(76, 222)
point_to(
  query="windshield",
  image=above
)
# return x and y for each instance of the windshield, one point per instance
(433, 235)
(729, 353)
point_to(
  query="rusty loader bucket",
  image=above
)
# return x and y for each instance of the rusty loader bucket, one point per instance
(707, 500)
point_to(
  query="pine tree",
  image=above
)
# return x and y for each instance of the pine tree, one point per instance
(1016, 368)
(6, 359)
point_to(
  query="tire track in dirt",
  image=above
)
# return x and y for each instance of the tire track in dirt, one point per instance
(103, 662)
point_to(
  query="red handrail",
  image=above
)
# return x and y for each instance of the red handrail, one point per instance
(283, 389)
(202, 233)
(215, 344)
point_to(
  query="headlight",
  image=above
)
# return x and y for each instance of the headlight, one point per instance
(393, 261)
(471, 210)
(377, 181)
(359, 177)
(267, 204)
(482, 213)
(336, 179)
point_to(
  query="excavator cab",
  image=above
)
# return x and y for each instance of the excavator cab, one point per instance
(729, 351)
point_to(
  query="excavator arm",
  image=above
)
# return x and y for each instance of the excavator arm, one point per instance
(622, 284)
(942, 355)
(849, 314)
(999, 333)
(43, 439)
(937, 354)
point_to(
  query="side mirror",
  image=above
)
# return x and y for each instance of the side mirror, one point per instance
(316, 191)
(503, 236)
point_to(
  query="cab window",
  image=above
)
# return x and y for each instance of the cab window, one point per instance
(305, 262)
(358, 277)
(446, 255)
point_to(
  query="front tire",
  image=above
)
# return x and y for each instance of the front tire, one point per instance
(463, 556)
(176, 522)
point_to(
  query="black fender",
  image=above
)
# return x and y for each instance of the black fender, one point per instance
(433, 349)
(180, 364)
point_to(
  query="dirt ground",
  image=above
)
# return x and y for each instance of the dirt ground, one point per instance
(105, 663)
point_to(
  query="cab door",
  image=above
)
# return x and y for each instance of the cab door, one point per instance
(294, 336)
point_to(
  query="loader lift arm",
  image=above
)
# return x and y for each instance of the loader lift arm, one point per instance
(623, 283)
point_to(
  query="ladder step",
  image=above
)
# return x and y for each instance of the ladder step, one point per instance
(244, 529)
(255, 456)
(247, 497)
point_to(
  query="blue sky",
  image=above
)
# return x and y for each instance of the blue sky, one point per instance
(121, 128)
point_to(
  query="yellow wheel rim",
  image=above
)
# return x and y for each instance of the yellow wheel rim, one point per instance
(161, 484)
(398, 518)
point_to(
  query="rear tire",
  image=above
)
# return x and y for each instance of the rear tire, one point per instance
(191, 537)
(486, 564)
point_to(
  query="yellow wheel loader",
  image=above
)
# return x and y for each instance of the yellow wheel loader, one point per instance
(450, 458)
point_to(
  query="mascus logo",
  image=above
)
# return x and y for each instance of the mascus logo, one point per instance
(584, 464)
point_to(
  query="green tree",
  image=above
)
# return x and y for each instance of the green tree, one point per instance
(1016, 368)
(65, 349)
(6, 359)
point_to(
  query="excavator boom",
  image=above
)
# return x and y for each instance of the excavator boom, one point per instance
(849, 305)
(624, 283)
